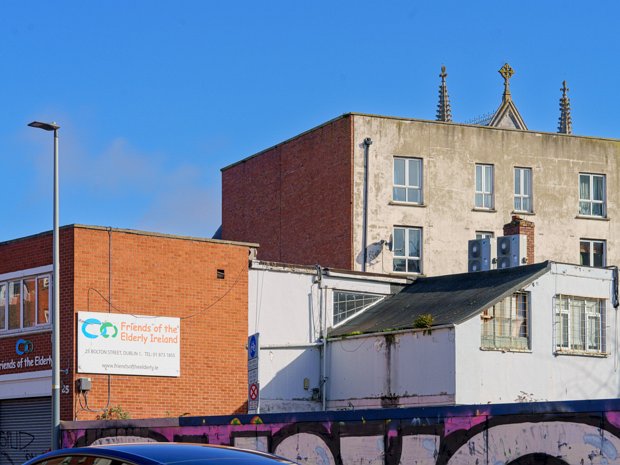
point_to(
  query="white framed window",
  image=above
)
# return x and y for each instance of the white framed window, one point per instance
(348, 303)
(506, 324)
(523, 190)
(484, 186)
(592, 252)
(407, 180)
(24, 303)
(592, 195)
(485, 234)
(579, 324)
(407, 250)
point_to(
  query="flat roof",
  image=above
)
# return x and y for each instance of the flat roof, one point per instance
(416, 120)
(137, 232)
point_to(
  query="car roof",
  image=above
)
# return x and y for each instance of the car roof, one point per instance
(154, 453)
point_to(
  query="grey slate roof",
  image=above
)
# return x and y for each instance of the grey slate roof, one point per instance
(450, 299)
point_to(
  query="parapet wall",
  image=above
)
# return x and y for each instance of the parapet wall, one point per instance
(550, 432)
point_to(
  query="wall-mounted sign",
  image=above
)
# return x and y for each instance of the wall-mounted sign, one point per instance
(253, 384)
(120, 344)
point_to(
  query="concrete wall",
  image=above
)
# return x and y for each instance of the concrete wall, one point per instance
(448, 218)
(552, 433)
(289, 311)
(288, 196)
(392, 370)
(491, 376)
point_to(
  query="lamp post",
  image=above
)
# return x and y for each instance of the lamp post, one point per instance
(56, 295)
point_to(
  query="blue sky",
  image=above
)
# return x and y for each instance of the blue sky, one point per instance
(154, 97)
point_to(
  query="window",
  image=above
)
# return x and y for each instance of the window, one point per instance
(506, 325)
(592, 253)
(408, 180)
(24, 303)
(579, 324)
(484, 186)
(349, 303)
(407, 249)
(592, 194)
(523, 190)
(485, 235)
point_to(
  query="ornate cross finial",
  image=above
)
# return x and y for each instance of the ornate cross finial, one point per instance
(506, 71)
(565, 124)
(444, 112)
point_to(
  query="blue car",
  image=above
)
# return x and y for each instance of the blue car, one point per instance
(157, 453)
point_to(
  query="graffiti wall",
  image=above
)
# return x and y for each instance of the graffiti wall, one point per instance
(584, 432)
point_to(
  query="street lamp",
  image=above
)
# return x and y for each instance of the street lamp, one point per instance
(56, 295)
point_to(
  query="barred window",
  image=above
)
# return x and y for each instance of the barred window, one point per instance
(506, 324)
(579, 324)
(346, 304)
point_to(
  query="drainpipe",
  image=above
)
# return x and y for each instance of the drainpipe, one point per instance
(367, 144)
(323, 318)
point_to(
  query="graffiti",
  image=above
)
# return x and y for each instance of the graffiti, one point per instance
(15, 447)
(586, 432)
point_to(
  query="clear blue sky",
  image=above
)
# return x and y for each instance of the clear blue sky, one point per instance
(155, 97)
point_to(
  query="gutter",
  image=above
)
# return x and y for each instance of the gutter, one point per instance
(395, 331)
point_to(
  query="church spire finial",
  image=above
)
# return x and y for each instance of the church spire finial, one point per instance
(506, 71)
(565, 125)
(444, 112)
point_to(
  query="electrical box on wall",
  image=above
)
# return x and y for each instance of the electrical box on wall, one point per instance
(83, 384)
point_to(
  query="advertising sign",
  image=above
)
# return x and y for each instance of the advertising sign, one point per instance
(120, 344)
(253, 385)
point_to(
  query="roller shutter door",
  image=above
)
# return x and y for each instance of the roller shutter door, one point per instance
(25, 429)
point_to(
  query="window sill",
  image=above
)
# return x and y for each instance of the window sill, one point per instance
(517, 212)
(484, 210)
(21, 331)
(580, 353)
(407, 204)
(595, 218)
(493, 349)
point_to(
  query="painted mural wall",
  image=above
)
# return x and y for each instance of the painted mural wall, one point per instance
(581, 432)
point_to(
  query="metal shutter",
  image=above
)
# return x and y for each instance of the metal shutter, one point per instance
(25, 429)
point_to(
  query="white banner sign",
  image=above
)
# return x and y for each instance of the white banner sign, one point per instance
(112, 343)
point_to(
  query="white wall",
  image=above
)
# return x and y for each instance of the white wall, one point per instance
(402, 369)
(286, 308)
(494, 376)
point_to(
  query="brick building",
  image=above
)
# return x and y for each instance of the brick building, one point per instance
(400, 195)
(201, 285)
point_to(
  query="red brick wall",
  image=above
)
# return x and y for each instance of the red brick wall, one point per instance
(164, 276)
(295, 199)
(149, 275)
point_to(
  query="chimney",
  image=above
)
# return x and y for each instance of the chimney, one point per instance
(520, 226)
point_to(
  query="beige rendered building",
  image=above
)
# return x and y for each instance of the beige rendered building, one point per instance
(412, 193)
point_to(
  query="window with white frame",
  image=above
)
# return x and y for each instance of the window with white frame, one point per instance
(24, 303)
(579, 324)
(407, 180)
(485, 234)
(347, 303)
(506, 325)
(592, 252)
(484, 186)
(407, 250)
(523, 190)
(592, 194)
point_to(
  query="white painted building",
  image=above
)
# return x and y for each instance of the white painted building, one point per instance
(546, 331)
(543, 332)
(291, 307)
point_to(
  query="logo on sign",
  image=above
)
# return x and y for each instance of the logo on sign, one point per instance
(23, 347)
(99, 328)
(252, 348)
